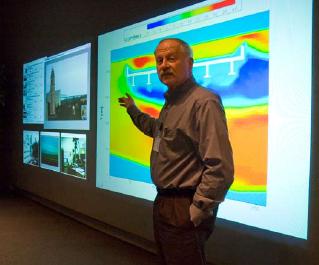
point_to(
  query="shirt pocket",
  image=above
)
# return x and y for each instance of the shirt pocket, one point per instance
(173, 140)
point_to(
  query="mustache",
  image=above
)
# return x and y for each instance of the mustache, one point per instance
(166, 72)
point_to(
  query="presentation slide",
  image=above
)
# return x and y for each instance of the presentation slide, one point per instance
(246, 51)
(73, 154)
(67, 89)
(50, 150)
(31, 148)
(33, 92)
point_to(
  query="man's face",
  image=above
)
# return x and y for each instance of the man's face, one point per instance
(173, 64)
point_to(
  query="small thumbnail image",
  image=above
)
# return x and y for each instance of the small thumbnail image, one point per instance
(50, 150)
(31, 148)
(73, 154)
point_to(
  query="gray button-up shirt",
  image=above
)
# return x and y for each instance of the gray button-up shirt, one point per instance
(191, 148)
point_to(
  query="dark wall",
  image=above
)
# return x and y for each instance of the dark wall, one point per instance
(32, 29)
(4, 182)
(4, 88)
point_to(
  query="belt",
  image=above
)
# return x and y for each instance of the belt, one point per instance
(176, 192)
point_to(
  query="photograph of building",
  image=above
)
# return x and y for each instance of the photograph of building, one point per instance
(73, 154)
(64, 106)
(31, 148)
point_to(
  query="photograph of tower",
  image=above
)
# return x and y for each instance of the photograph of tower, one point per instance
(53, 98)
(67, 89)
(67, 95)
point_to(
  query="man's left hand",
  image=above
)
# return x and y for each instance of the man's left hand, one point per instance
(197, 215)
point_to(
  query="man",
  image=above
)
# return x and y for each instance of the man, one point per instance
(191, 158)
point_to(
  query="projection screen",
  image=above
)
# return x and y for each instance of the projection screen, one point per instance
(257, 56)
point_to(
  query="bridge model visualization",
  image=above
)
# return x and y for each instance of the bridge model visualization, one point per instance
(228, 60)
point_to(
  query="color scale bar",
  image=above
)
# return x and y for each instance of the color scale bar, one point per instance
(189, 14)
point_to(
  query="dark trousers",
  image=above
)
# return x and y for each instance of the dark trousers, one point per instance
(178, 241)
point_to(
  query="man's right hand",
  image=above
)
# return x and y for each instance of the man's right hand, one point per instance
(126, 101)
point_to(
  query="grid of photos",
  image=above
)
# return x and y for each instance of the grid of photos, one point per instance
(56, 97)
(65, 152)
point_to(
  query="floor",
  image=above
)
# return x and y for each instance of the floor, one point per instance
(31, 234)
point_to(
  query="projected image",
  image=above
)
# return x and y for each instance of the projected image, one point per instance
(50, 149)
(33, 89)
(73, 154)
(243, 52)
(31, 148)
(67, 87)
(234, 66)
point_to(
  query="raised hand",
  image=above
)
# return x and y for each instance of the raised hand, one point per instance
(126, 101)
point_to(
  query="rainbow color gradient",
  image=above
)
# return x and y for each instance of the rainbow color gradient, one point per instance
(231, 59)
(193, 13)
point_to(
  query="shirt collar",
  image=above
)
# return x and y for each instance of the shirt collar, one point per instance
(179, 91)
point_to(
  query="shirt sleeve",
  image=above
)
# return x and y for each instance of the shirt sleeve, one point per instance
(142, 121)
(216, 154)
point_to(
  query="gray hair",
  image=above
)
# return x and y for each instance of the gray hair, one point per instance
(186, 47)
